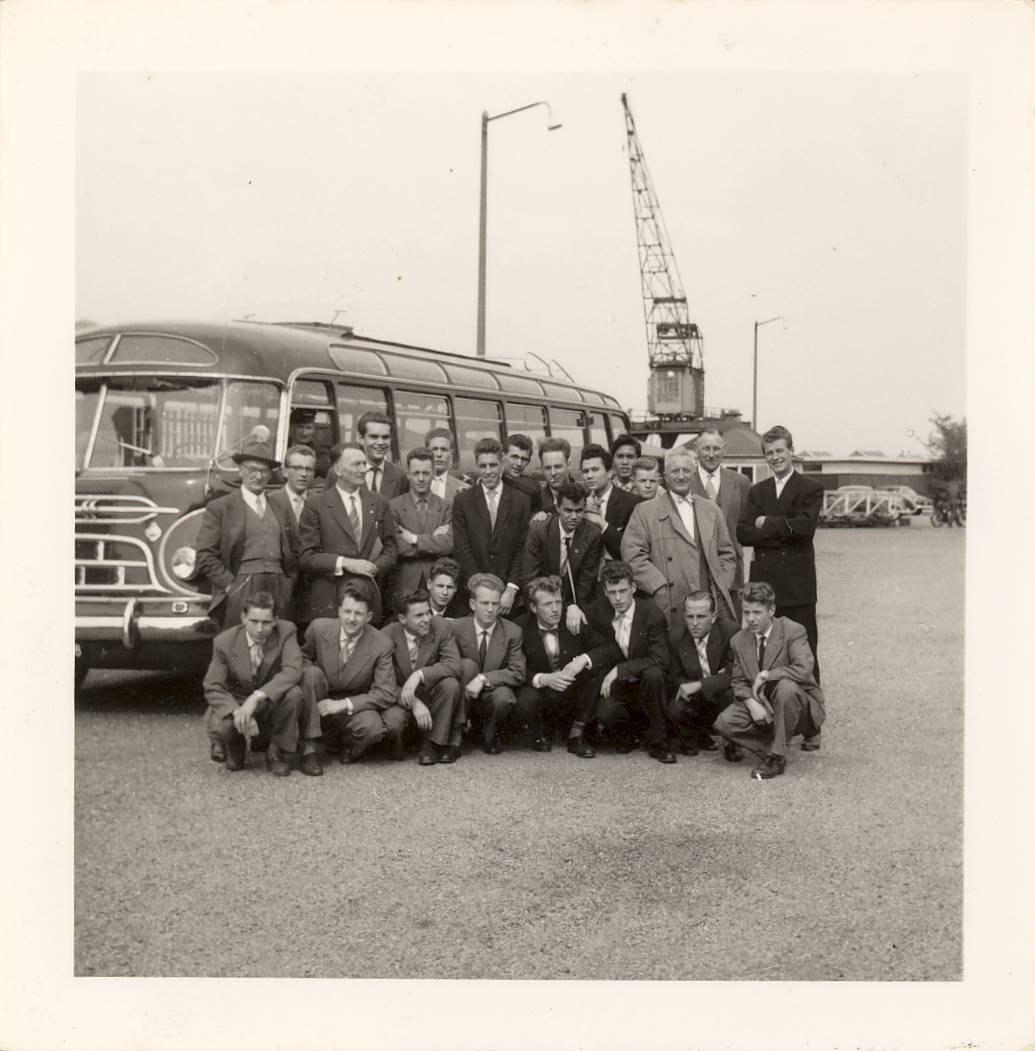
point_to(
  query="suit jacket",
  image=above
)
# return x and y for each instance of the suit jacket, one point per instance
(685, 664)
(657, 547)
(648, 641)
(325, 534)
(414, 561)
(393, 480)
(437, 655)
(368, 680)
(454, 485)
(733, 494)
(542, 557)
(589, 641)
(529, 486)
(504, 660)
(220, 542)
(787, 656)
(480, 548)
(279, 500)
(620, 506)
(783, 552)
(230, 680)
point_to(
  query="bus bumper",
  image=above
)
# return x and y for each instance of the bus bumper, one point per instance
(134, 622)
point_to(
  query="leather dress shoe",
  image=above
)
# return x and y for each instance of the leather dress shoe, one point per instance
(276, 763)
(771, 766)
(625, 745)
(493, 747)
(310, 765)
(685, 746)
(578, 745)
(427, 756)
(541, 744)
(217, 752)
(449, 754)
(811, 744)
(662, 753)
(235, 754)
(731, 751)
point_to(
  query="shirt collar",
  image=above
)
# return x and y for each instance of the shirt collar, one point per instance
(497, 490)
(607, 491)
(346, 495)
(343, 638)
(543, 627)
(250, 499)
(627, 615)
(411, 640)
(253, 642)
(765, 636)
(705, 474)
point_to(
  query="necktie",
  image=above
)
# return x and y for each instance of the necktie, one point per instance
(375, 483)
(296, 505)
(491, 496)
(260, 505)
(620, 636)
(702, 656)
(354, 518)
(422, 515)
(761, 651)
(552, 648)
(256, 659)
(346, 652)
(710, 487)
(412, 643)
(483, 646)
(565, 552)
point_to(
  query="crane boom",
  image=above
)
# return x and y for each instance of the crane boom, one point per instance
(674, 343)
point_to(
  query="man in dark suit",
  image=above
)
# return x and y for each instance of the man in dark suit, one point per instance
(568, 546)
(492, 663)
(776, 694)
(251, 688)
(562, 672)
(779, 521)
(700, 675)
(349, 676)
(490, 521)
(517, 455)
(423, 532)
(555, 459)
(729, 489)
(638, 634)
(427, 671)
(347, 533)
(444, 589)
(609, 507)
(375, 439)
(244, 541)
(299, 470)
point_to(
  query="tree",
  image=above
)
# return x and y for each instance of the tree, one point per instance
(948, 445)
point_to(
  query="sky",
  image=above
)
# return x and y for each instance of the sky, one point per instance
(836, 201)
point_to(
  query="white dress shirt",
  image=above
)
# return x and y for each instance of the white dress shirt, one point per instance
(781, 482)
(438, 485)
(715, 477)
(297, 501)
(685, 507)
(256, 502)
(623, 628)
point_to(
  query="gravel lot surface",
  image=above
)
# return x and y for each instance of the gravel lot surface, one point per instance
(546, 866)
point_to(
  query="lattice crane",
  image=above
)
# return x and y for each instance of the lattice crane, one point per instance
(674, 343)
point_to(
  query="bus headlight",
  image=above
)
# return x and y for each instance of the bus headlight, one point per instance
(183, 562)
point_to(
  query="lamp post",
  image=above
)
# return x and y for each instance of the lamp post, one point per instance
(754, 381)
(483, 208)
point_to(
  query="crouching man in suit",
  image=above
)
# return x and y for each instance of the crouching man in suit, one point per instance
(492, 663)
(349, 676)
(251, 687)
(427, 670)
(638, 634)
(776, 694)
(700, 676)
(562, 671)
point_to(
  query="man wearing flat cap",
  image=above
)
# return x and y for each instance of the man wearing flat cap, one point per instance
(244, 543)
(303, 432)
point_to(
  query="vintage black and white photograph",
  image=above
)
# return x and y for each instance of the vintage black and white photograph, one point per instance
(521, 534)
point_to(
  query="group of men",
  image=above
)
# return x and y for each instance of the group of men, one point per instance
(415, 604)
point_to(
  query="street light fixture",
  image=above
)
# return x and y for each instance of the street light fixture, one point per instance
(754, 382)
(551, 126)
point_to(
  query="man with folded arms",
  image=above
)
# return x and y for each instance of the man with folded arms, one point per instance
(427, 671)
(349, 676)
(776, 694)
(562, 671)
(251, 688)
(492, 663)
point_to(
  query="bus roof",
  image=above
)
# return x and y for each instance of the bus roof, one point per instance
(253, 348)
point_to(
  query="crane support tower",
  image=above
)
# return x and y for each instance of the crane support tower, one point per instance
(674, 346)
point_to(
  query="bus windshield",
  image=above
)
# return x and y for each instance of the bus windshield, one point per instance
(167, 422)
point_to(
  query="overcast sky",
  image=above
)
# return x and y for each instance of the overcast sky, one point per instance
(835, 200)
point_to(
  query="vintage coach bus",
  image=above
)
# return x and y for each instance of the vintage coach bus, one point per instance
(161, 408)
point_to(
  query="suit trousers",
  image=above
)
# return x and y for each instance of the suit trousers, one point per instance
(647, 693)
(357, 732)
(806, 617)
(443, 701)
(790, 717)
(697, 714)
(277, 720)
(492, 707)
(545, 710)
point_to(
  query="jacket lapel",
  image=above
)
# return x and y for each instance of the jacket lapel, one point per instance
(774, 646)
(336, 503)
(667, 509)
(496, 651)
(243, 657)
(269, 654)
(636, 628)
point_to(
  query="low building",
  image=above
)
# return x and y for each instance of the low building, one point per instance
(867, 467)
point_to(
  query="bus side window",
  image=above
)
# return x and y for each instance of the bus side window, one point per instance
(475, 419)
(529, 420)
(353, 401)
(415, 415)
(597, 431)
(567, 423)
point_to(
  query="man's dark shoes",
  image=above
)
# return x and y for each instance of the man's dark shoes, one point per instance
(310, 765)
(426, 756)
(731, 751)
(662, 753)
(276, 763)
(235, 753)
(771, 766)
(811, 744)
(449, 754)
(541, 744)
(493, 747)
(578, 745)
(686, 746)
(217, 752)
(625, 745)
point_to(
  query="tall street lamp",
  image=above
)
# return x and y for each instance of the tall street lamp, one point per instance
(483, 207)
(754, 382)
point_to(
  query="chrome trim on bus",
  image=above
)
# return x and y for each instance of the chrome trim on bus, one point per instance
(167, 576)
(95, 426)
(120, 565)
(94, 509)
(145, 629)
(111, 348)
(128, 616)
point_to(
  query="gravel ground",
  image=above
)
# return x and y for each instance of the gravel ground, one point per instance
(545, 866)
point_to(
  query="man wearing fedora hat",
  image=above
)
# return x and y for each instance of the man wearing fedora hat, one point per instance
(244, 542)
